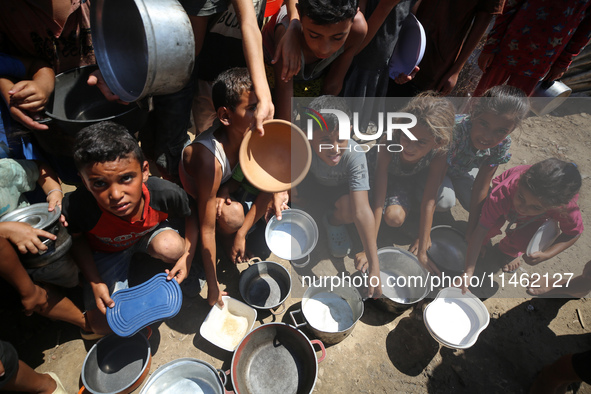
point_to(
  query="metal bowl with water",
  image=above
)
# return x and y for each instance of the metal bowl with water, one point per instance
(293, 237)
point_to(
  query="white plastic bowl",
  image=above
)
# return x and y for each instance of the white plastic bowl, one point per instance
(226, 327)
(454, 319)
(544, 237)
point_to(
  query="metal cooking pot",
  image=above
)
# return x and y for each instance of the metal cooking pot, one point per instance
(143, 47)
(547, 96)
(275, 358)
(345, 299)
(265, 285)
(38, 216)
(75, 105)
(186, 376)
(117, 365)
(293, 237)
(405, 281)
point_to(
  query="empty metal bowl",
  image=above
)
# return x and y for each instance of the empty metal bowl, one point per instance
(448, 249)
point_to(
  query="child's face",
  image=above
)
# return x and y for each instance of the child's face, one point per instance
(242, 117)
(325, 40)
(490, 129)
(413, 151)
(526, 204)
(117, 185)
(328, 147)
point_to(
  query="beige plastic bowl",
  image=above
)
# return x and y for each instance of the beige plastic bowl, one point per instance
(277, 161)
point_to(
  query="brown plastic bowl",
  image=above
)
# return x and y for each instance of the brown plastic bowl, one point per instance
(277, 161)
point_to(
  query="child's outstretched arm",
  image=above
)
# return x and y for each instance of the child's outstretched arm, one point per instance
(181, 269)
(333, 81)
(252, 43)
(29, 95)
(25, 237)
(82, 255)
(289, 48)
(437, 170)
(256, 211)
(376, 20)
(50, 183)
(33, 297)
(475, 240)
(283, 88)
(365, 224)
(480, 190)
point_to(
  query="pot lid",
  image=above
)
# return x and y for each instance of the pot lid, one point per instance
(139, 306)
(37, 215)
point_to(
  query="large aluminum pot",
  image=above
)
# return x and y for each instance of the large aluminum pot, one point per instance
(74, 105)
(275, 358)
(143, 47)
(330, 312)
(405, 281)
(186, 376)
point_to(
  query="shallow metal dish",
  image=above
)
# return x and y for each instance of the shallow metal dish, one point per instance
(185, 376)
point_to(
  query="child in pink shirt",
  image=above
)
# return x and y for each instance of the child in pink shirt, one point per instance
(527, 196)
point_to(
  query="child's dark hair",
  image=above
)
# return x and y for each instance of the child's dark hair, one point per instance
(502, 100)
(229, 86)
(329, 102)
(553, 181)
(105, 141)
(325, 12)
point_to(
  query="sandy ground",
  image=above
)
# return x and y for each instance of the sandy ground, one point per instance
(387, 352)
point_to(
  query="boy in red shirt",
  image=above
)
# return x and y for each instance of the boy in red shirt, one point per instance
(121, 211)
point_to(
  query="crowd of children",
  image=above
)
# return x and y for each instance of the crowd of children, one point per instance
(314, 48)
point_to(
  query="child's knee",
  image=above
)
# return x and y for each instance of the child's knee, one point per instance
(232, 218)
(168, 246)
(394, 216)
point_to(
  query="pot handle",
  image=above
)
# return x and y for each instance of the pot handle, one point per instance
(277, 312)
(82, 390)
(301, 265)
(225, 380)
(322, 349)
(254, 260)
(295, 323)
(148, 333)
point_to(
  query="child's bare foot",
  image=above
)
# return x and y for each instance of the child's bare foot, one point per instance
(512, 265)
(538, 291)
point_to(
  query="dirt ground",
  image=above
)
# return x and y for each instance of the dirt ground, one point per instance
(386, 352)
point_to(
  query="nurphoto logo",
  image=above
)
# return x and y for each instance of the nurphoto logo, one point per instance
(393, 121)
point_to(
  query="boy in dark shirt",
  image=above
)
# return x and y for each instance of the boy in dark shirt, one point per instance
(121, 211)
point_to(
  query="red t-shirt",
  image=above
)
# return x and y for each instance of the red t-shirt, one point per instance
(109, 233)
